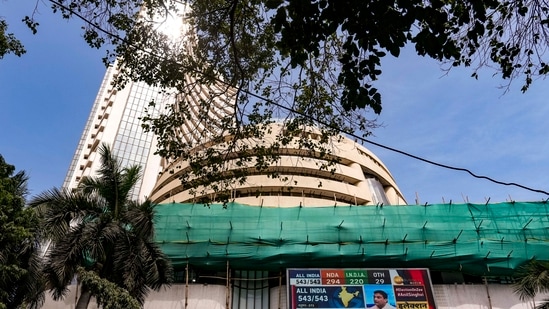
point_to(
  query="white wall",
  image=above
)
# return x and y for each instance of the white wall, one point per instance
(458, 296)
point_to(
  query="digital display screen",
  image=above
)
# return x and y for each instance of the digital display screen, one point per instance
(324, 288)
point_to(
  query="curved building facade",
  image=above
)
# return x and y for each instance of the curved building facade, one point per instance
(349, 174)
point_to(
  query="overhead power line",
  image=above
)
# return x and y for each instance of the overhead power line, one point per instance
(310, 117)
(400, 151)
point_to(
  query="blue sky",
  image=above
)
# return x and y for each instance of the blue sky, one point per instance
(453, 119)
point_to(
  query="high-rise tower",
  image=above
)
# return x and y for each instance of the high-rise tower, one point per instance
(114, 120)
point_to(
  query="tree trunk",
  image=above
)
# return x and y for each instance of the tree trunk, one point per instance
(84, 299)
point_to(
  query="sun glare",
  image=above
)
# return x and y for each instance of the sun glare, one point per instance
(173, 24)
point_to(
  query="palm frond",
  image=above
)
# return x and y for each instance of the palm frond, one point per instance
(62, 260)
(130, 266)
(533, 278)
(112, 183)
(99, 239)
(141, 217)
(159, 269)
(34, 283)
(129, 177)
(109, 163)
(142, 266)
(89, 185)
(544, 304)
(98, 227)
(59, 209)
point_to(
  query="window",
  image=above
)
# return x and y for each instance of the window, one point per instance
(250, 290)
(378, 193)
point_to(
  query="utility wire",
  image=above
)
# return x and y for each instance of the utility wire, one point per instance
(403, 152)
(311, 117)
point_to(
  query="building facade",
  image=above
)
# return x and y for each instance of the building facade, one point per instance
(349, 174)
(238, 255)
(241, 256)
(351, 217)
(114, 120)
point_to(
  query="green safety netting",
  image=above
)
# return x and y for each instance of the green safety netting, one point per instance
(478, 239)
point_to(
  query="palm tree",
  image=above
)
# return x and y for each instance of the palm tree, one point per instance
(533, 278)
(99, 228)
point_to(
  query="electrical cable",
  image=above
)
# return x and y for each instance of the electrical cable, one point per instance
(315, 119)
